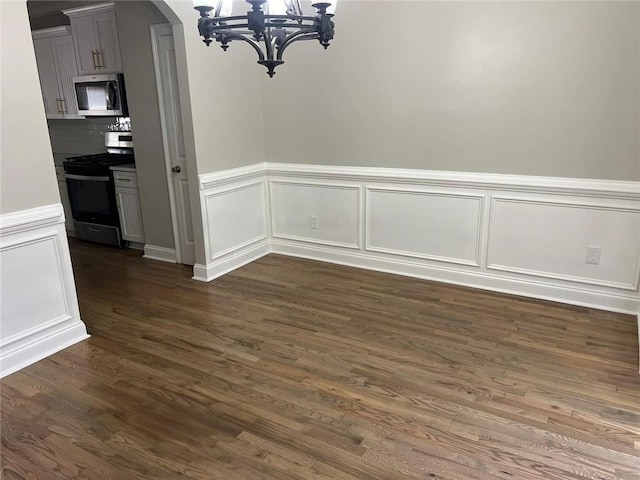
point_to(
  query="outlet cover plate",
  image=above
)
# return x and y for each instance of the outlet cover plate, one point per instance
(593, 255)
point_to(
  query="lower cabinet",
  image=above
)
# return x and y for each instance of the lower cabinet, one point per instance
(128, 200)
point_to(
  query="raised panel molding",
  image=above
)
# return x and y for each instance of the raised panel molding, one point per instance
(337, 207)
(425, 224)
(467, 254)
(234, 215)
(224, 212)
(35, 259)
(549, 238)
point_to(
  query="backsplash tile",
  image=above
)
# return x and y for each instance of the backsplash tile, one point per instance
(78, 137)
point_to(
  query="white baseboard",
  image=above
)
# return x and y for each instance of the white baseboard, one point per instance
(39, 307)
(36, 350)
(508, 233)
(230, 261)
(533, 288)
(161, 254)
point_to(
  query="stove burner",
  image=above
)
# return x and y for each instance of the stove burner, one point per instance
(101, 159)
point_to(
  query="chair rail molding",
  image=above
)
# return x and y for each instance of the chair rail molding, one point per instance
(516, 234)
(35, 258)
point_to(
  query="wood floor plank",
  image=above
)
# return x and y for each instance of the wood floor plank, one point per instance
(295, 369)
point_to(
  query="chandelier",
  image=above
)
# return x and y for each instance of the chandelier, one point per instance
(268, 31)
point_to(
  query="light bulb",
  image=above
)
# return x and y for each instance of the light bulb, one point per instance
(226, 8)
(277, 7)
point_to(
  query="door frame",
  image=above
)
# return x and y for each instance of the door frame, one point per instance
(155, 30)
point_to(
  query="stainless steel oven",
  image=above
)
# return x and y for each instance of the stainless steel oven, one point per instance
(92, 191)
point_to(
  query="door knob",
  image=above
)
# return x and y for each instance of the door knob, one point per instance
(176, 169)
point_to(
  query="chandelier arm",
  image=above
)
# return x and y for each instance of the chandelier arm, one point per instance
(238, 26)
(224, 28)
(268, 44)
(276, 31)
(254, 44)
(220, 23)
(292, 18)
(304, 34)
(228, 19)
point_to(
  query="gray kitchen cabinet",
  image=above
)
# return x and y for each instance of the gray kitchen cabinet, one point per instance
(64, 198)
(128, 200)
(56, 60)
(95, 36)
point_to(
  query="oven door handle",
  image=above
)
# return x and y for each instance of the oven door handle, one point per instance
(90, 178)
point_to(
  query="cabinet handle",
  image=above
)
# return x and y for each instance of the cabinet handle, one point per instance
(99, 54)
(58, 105)
(121, 179)
(63, 106)
(94, 54)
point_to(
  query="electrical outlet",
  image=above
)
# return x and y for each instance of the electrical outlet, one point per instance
(314, 222)
(593, 255)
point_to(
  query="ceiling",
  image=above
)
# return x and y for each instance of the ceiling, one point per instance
(48, 13)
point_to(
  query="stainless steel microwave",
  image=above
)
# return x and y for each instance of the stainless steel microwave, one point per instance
(101, 95)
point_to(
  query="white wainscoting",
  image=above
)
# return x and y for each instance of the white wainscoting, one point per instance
(336, 207)
(39, 312)
(435, 225)
(515, 234)
(235, 221)
(638, 317)
(550, 239)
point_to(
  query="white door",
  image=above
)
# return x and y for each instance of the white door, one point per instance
(173, 141)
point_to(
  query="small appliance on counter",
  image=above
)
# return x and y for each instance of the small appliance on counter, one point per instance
(122, 124)
(92, 190)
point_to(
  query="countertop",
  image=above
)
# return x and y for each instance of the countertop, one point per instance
(129, 167)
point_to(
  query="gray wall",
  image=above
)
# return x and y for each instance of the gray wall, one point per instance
(224, 92)
(27, 174)
(134, 19)
(534, 88)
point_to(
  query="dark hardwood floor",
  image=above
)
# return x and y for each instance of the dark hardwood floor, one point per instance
(289, 368)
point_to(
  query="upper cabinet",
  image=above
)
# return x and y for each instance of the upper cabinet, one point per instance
(95, 36)
(56, 59)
